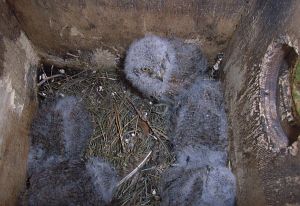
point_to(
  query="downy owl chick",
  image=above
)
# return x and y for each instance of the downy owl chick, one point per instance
(194, 156)
(199, 118)
(161, 68)
(60, 130)
(205, 186)
(72, 182)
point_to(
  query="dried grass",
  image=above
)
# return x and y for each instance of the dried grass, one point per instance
(130, 132)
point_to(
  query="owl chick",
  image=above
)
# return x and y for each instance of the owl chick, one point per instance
(161, 68)
(199, 118)
(199, 156)
(207, 186)
(73, 182)
(59, 131)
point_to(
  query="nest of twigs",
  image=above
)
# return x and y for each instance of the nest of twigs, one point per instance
(130, 131)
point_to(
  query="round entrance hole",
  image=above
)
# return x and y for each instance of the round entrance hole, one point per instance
(296, 89)
(280, 95)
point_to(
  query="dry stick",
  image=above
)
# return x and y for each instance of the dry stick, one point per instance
(78, 74)
(101, 129)
(50, 88)
(48, 78)
(161, 134)
(52, 66)
(155, 136)
(129, 122)
(72, 55)
(140, 115)
(119, 129)
(108, 78)
(135, 170)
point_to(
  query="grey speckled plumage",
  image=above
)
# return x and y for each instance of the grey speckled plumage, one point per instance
(73, 182)
(199, 135)
(60, 130)
(194, 156)
(175, 72)
(104, 178)
(162, 68)
(203, 186)
(199, 117)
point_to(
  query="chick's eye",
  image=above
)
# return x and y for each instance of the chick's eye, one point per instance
(145, 69)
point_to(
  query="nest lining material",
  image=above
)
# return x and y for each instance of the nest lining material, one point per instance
(129, 131)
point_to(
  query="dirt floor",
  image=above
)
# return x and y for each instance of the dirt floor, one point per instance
(129, 131)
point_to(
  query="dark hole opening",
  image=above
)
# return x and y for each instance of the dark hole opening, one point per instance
(286, 107)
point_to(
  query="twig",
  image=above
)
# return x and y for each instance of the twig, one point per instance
(119, 129)
(50, 87)
(60, 62)
(48, 78)
(161, 134)
(72, 55)
(141, 117)
(108, 78)
(135, 170)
